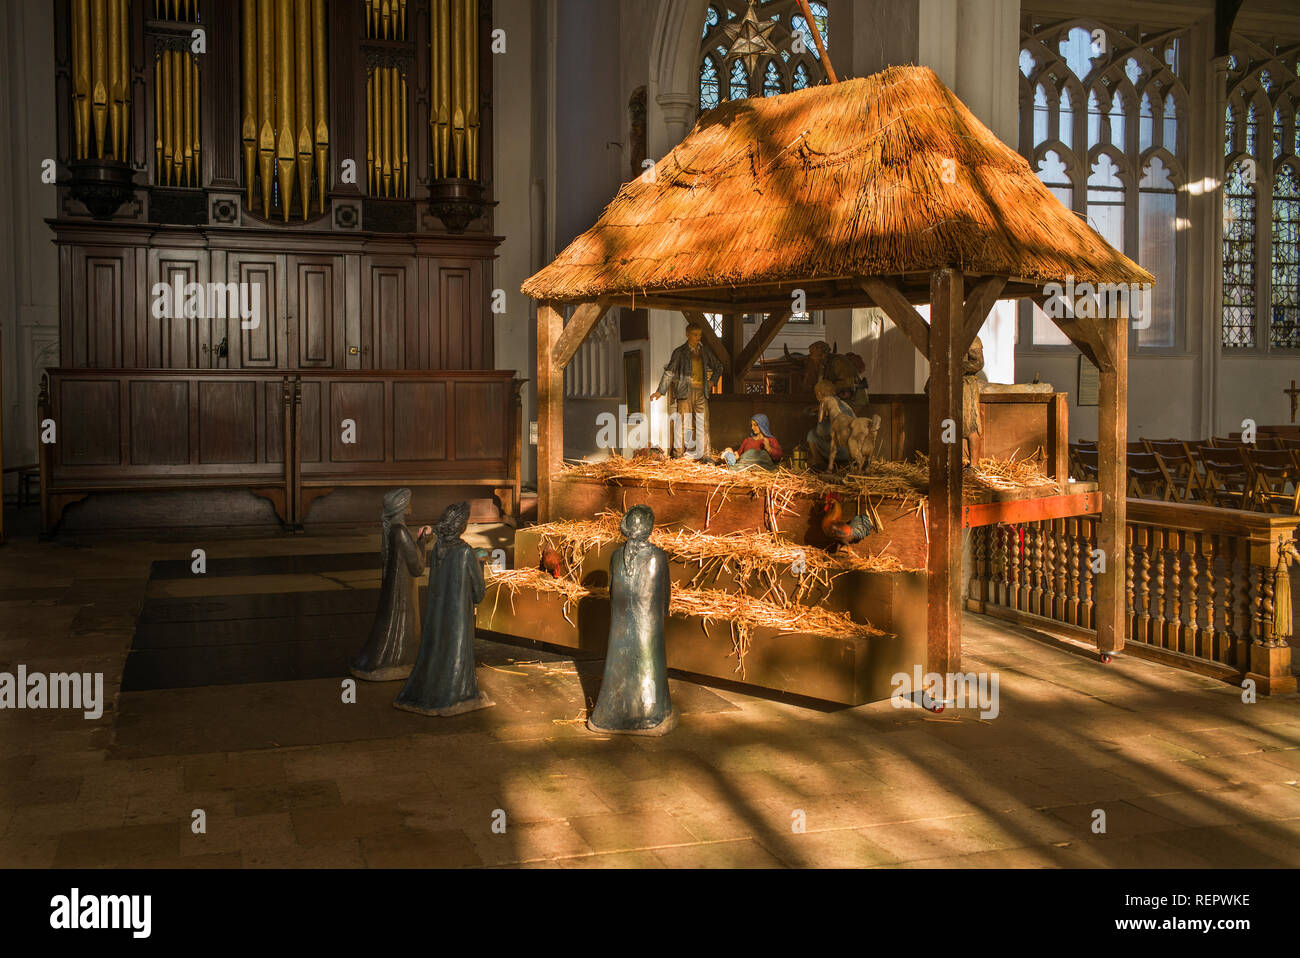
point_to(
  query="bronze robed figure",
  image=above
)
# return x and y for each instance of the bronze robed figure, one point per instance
(390, 650)
(443, 680)
(634, 693)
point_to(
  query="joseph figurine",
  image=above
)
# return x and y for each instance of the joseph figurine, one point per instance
(633, 696)
(389, 652)
(443, 680)
(687, 381)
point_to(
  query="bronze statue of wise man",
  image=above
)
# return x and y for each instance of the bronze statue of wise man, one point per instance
(633, 696)
(389, 652)
(443, 680)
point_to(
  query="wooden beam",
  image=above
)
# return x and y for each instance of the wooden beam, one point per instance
(550, 404)
(1112, 477)
(580, 325)
(944, 508)
(733, 331)
(890, 298)
(760, 341)
(978, 304)
(710, 337)
(1084, 337)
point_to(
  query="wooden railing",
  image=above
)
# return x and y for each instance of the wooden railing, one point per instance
(1199, 584)
(289, 437)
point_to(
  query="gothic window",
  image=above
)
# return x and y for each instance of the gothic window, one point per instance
(797, 64)
(1100, 106)
(1261, 200)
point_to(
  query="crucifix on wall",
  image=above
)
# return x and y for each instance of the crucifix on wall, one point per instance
(1294, 393)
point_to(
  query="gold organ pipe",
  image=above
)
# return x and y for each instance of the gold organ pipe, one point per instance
(124, 38)
(116, 87)
(248, 131)
(457, 86)
(386, 95)
(157, 118)
(81, 76)
(320, 86)
(165, 59)
(471, 89)
(370, 133)
(402, 190)
(284, 148)
(178, 116)
(441, 107)
(266, 98)
(303, 45)
(98, 71)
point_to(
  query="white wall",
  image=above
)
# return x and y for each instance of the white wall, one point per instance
(29, 273)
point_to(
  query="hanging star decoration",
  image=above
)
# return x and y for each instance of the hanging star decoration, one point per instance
(749, 40)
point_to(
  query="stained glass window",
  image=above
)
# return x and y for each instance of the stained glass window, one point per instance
(1239, 255)
(708, 85)
(1261, 200)
(1092, 86)
(1285, 299)
(796, 66)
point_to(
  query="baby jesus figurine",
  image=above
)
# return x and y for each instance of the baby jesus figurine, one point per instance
(760, 448)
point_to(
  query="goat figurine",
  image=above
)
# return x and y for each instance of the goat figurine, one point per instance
(855, 433)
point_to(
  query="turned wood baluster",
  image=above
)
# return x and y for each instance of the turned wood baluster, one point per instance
(1266, 617)
(1144, 584)
(1174, 627)
(1035, 544)
(1072, 570)
(1001, 538)
(1209, 638)
(1062, 564)
(1085, 548)
(1048, 530)
(976, 592)
(1192, 630)
(1013, 577)
(1232, 595)
(1131, 618)
(1162, 609)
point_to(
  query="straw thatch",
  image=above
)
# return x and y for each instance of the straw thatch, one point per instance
(879, 176)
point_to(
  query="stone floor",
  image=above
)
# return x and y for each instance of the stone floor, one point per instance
(289, 775)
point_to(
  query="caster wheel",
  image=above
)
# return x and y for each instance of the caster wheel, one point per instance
(1105, 658)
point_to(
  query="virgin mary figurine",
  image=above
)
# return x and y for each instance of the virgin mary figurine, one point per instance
(390, 650)
(443, 680)
(633, 696)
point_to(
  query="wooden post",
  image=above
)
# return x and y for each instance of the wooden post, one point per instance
(943, 511)
(1112, 474)
(550, 404)
(733, 337)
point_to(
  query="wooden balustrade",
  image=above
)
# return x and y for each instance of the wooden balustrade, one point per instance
(1199, 584)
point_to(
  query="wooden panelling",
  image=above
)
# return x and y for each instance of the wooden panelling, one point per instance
(160, 423)
(103, 304)
(89, 432)
(419, 422)
(262, 346)
(393, 337)
(227, 422)
(461, 324)
(273, 439)
(173, 340)
(312, 426)
(362, 403)
(472, 441)
(316, 308)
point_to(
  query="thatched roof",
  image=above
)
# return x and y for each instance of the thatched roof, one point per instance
(880, 176)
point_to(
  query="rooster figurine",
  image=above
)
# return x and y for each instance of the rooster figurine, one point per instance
(839, 532)
(552, 563)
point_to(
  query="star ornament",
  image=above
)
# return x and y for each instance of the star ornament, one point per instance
(749, 39)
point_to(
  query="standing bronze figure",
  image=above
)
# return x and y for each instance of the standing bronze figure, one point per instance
(443, 680)
(633, 696)
(390, 650)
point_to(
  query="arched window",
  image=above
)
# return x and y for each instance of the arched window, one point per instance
(800, 64)
(1099, 122)
(1261, 199)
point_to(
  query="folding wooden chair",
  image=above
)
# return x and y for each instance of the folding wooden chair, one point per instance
(1146, 480)
(1083, 462)
(1176, 463)
(1272, 471)
(1227, 477)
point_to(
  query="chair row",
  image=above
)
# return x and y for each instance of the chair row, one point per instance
(1225, 472)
